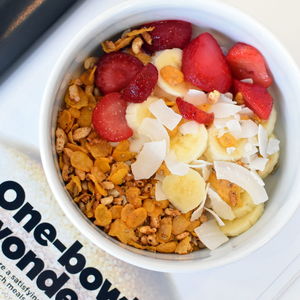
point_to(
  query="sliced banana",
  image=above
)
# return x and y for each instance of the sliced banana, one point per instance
(169, 57)
(270, 123)
(189, 147)
(246, 207)
(240, 225)
(215, 151)
(185, 192)
(137, 112)
(271, 164)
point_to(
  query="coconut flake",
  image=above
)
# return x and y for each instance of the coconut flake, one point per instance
(262, 140)
(159, 177)
(190, 127)
(220, 123)
(273, 146)
(149, 159)
(136, 143)
(242, 177)
(226, 98)
(248, 129)
(230, 150)
(154, 130)
(250, 149)
(210, 235)
(176, 167)
(258, 163)
(167, 116)
(159, 194)
(224, 110)
(247, 80)
(195, 97)
(198, 212)
(246, 111)
(257, 177)
(233, 126)
(218, 219)
(219, 206)
(206, 171)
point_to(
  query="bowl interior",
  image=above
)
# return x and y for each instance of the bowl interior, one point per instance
(228, 26)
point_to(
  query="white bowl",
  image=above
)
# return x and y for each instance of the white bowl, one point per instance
(228, 25)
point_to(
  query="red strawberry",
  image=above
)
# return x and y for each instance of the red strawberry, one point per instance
(141, 86)
(204, 65)
(256, 98)
(115, 71)
(169, 34)
(191, 112)
(109, 118)
(246, 61)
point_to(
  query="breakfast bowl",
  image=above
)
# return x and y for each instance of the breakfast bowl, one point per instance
(228, 26)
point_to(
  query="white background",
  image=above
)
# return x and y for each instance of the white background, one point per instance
(269, 273)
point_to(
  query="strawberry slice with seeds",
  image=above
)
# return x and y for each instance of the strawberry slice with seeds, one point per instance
(168, 34)
(109, 118)
(204, 65)
(142, 85)
(115, 71)
(191, 112)
(256, 98)
(245, 61)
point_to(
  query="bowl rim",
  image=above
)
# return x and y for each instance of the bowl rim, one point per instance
(60, 195)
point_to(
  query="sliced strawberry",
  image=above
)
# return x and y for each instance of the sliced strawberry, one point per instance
(246, 61)
(168, 34)
(191, 112)
(256, 98)
(204, 65)
(115, 71)
(141, 86)
(109, 118)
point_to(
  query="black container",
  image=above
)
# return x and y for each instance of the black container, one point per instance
(22, 22)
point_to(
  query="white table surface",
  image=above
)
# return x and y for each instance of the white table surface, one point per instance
(269, 273)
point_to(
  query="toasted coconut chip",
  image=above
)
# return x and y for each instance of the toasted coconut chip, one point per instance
(206, 171)
(273, 146)
(257, 177)
(262, 140)
(210, 235)
(250, 149)
(243, 178)
(149, 159)
(218, 219)
(159, 194)
(167, 116)
(258, 163)
(174, 166)
(190, 127)
(195, 97)
(219, 206)
(226, 98)
(247, 80)
(198, 212)
(248, 129)
(230, 150)
(154, 130)
(234, 126)
(224, 110)
(246, 111)
(136, 143)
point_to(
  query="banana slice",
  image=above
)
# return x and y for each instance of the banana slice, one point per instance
(270, 166)
(137, 112)
(270, 123)
(240, 225)
(246, 207)
(189, 147)
(169, 57)
(215, 151)
(185, 192)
